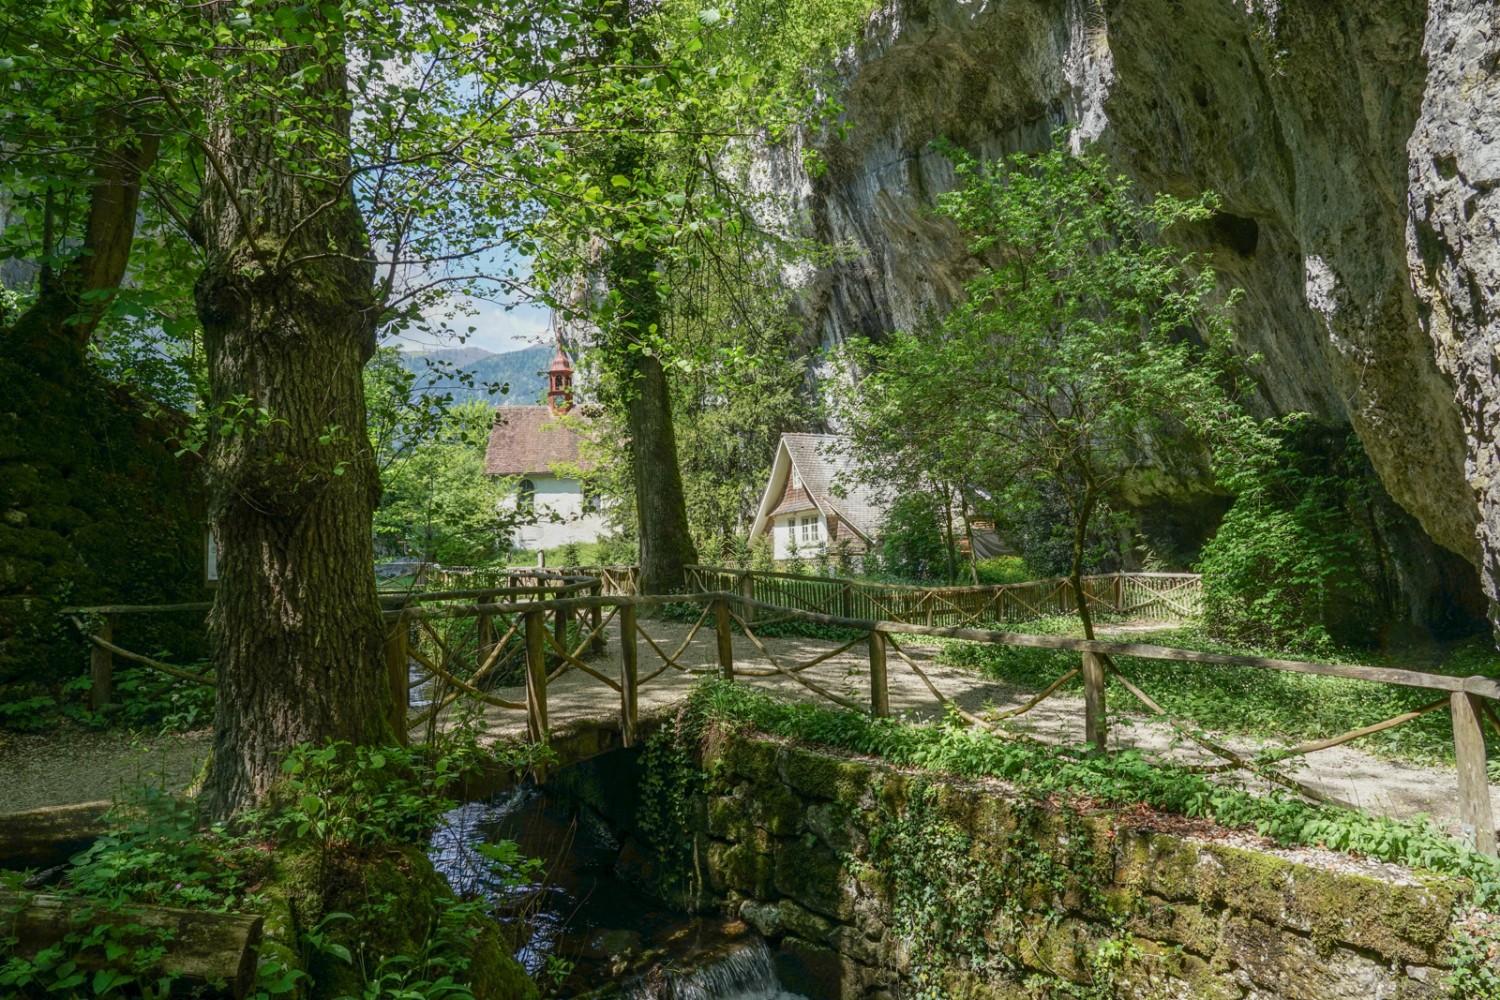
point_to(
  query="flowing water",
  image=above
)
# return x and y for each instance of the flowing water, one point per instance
(576, 909)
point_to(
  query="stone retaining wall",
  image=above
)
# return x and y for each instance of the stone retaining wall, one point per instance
(829, 859)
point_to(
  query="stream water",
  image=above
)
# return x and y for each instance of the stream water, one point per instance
(576, 909)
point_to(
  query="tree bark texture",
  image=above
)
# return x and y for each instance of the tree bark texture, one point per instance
(666, 545)
(288, 312)
(1081, 517)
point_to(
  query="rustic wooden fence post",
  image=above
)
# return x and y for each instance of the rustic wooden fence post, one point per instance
(398, 671)
(536, 674)
(629, 659)
(560, 619)
(880, 693)
(747, 591)
(1473, 784)
(1095, 728)
(927, 600)
(486, 629)
(102, 666)
(725, 639)
(846, 601)
(596, 619)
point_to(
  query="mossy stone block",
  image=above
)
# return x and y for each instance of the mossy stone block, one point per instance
(1154, 969)
(804, 923)
(775, 809)
(833, 824)
(751, 759)
(1407, 923)
(1164, 866)
(811, 874)
(824, 777)
(1296, 968)
(1186, 924)
(740, 867)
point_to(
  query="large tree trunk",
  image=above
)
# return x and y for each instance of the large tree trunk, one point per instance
(1082, 514)
(666, 545)
(288, 316)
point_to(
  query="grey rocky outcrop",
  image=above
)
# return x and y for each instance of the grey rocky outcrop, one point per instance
(1353, 144)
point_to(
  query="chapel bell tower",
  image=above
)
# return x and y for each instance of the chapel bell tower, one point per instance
(560, 383)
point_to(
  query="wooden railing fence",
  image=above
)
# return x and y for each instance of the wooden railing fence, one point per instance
(883, 640)
(466, 644)
(621, 579)
(98, 624)
(1162, 597)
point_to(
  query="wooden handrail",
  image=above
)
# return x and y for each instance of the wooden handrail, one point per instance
(574, 584)
(1474, 684)
(955, 589)
(1466, 695)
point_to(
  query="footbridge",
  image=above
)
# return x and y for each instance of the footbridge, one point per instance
(577, 658)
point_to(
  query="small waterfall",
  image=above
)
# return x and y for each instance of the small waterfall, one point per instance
(743, 973)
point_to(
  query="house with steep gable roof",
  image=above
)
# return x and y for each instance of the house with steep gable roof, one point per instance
(800, 511)
(535, 445)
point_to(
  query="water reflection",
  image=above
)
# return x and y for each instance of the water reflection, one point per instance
(576, 909)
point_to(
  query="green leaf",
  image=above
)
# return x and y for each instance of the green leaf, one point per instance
(108, 979)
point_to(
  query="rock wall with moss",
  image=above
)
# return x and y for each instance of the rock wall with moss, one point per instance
(1351, 143)
(872, 882)
(94, 509)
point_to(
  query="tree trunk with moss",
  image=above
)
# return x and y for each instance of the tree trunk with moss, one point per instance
(666, 544)
(288, 316)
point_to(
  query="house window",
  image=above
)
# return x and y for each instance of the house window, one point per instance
(526, 497)
(796, 479)
(810, 531)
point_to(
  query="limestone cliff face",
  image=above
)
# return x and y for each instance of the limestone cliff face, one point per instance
(1356, 145)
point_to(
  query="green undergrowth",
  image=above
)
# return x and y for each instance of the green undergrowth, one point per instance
(335, 862)
(1271, 704)
(144, 700)
(1071, 774)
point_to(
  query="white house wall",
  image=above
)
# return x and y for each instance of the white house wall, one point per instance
(561, 518)
(789, 526)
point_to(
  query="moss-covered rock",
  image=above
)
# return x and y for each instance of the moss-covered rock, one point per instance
(822, 776)
(347, 916)
(811, 874)
(742, 868)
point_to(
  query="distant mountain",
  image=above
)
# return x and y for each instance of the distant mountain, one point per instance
(524, 370)
(461, 355)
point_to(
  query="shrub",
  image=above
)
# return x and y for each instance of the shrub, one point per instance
(1297, 561)
(913, 547)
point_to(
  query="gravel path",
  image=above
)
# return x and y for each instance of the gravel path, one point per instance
(54, 769)
(81, 766)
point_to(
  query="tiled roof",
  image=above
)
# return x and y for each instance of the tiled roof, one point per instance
(530, 441)
(822, 463)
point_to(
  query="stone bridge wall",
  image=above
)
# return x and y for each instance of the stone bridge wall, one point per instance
(867, 880)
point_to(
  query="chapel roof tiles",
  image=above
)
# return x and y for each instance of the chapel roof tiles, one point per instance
(532, 441)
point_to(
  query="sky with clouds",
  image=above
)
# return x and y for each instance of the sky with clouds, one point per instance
(497, 329)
